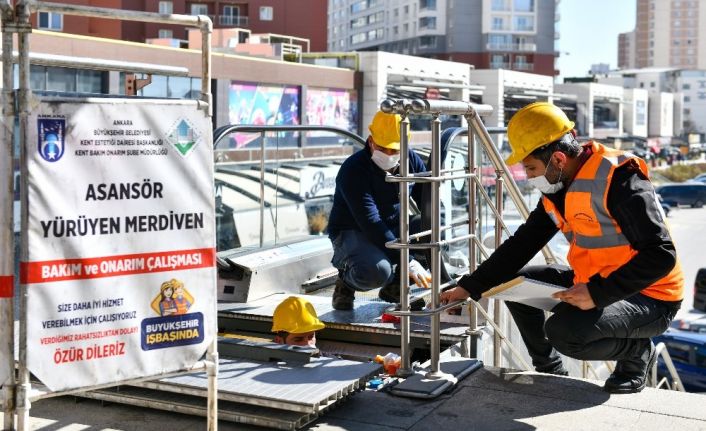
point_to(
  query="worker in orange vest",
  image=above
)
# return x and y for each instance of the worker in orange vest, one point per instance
(624, 284)
(295, 322)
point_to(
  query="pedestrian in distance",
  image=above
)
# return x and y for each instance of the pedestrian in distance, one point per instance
(366, 214)
(624, 283)
(295, 322)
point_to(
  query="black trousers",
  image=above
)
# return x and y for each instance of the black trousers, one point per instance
(618, 331)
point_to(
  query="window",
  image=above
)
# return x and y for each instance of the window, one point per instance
(199, 9)
(500, 5)
(266, 13)
(524, 5)
(406, 10)
(427, 4)
(50, 21)
(165, 34)
(166, 7)
(687, 99)
(652, 84)
(498, 23)
(427, 22)
(427, 42)
(524, 23)
(358, 38)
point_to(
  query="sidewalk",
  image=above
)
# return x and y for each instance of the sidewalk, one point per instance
(489, 399)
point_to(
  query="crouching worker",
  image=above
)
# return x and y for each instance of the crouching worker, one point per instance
(295, 322)
(366, 214)
(624, 284)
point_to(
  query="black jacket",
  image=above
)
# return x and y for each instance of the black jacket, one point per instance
(632, 202)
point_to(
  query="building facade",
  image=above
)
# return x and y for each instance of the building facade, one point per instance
(667, 34)
(626, 50)
(301, 18)
(488, 34)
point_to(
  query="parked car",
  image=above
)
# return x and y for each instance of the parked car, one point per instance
(695, 325)
(701, 178)
(688, 353)
(700, 290)
(690, 193)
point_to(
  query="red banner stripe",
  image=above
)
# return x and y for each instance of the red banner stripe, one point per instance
(7, 283)
(114, 266)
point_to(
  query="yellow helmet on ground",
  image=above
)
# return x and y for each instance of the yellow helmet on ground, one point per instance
(534, 126)
(297, 316)
(385, 130)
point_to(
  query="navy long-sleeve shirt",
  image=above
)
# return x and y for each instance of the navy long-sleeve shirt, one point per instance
(363, 201)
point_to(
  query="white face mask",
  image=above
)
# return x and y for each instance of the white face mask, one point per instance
(542, 184)
(384, 161)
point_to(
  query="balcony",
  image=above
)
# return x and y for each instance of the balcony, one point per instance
(232, 20)
(499, 65)
(523, 66)
(523, 47)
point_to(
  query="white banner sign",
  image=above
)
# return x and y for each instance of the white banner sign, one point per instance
(120, 275)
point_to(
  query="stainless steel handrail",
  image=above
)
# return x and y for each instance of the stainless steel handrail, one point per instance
(224, 131)
(661, 350)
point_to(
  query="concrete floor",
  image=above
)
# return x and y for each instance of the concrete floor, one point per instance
(489, 399)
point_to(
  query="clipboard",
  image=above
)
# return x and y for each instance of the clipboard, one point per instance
(534, 293)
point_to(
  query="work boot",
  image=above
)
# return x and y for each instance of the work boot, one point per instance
(343, 296)
(391, 293)
(630, 375)
(556, 370)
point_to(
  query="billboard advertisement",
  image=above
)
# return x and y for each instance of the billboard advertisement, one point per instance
(331, 107)
(261, 104)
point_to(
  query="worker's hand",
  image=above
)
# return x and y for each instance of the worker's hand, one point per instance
(419, 275)
(578, 296)
(457, 293)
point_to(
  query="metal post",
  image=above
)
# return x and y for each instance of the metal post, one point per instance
(472, 215)
(262, 187)
(7, 250)
(497, 305)
(405, 360)
(435, 238)
(23, 386)
(212, 372)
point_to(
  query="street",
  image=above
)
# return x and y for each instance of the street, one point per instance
(688, 227)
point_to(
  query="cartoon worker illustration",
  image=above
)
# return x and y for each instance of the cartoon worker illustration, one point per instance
(167, 305)
(173, 299)
(181, 301)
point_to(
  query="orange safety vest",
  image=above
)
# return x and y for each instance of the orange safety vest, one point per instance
(597, 244)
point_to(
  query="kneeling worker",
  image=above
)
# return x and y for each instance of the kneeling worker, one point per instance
(366, 214)
(295, 322)
(624, 284)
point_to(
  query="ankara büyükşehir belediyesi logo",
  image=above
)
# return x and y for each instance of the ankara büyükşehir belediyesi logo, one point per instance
(50, 139)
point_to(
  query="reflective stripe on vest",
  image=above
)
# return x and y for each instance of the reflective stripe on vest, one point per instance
(597, 245)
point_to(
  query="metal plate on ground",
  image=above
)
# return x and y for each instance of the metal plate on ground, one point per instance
(418, 386)
(194, 405)
(305, 388)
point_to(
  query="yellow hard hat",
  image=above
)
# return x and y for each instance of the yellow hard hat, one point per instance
(385, 130)
(533, 126)
(295, 315)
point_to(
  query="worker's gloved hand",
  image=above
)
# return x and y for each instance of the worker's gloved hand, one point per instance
(419, 275)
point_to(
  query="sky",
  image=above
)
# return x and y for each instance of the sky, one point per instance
(589, 33)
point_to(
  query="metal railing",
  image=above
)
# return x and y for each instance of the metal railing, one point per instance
(224, 131)
(436, 176)
(232, 20)
(675, 384)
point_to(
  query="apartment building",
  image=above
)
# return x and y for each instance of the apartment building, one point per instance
(667, 34)
(488, 34)
(300, 18)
